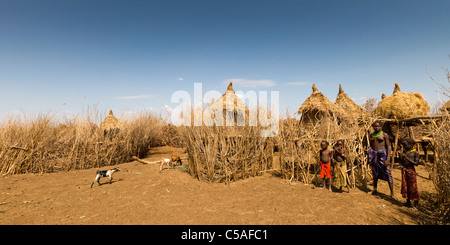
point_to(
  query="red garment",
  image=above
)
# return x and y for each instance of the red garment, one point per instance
(325, 170)
(409, 184)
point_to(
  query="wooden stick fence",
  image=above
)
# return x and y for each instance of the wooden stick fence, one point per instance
(226, 154)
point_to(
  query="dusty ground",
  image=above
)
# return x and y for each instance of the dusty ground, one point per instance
(144, 196)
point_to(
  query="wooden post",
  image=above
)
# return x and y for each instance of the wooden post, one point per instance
(280, 157)
(365, 164)
(395, 146)
(352, 174)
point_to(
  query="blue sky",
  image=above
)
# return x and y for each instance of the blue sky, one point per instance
(63, 56)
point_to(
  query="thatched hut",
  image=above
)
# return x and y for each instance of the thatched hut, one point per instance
(344, 102)
(318, 107)
(230, 104)
(110, 123)
(401, 105)
(227, 154)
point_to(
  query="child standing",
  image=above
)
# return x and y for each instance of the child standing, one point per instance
(408, 160)
(325, 166)
(340, 166)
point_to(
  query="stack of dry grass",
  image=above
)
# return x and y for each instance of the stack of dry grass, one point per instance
(37, 145)
(402, 105)
(318, 108)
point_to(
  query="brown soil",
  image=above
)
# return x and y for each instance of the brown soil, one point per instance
(142, 195)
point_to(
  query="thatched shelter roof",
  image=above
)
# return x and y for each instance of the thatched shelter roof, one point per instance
(110, 122)
(445, 107)
(344, 102)
(317, 103)
(229, 100)
(402, 105)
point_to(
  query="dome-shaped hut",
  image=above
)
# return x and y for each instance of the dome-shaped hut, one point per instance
(401, 105)
(318, 107)
(230, 103)
(110, 123)
(344, 102)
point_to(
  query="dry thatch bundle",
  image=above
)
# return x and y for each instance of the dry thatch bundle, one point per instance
(348, 105)
(402, 105)
(317, 107)
(229, 103)
(110, 122)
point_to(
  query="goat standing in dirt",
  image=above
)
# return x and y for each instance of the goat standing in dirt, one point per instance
(104, 173)
(177, 160)
(173, 161)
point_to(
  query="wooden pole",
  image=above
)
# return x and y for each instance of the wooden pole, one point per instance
(395, 146)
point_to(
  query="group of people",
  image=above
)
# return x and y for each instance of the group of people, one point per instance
(379, 158)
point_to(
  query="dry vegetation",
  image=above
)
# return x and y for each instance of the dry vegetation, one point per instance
(37, 145)
(215, 153)
(299, 146)
(441, 166)
(225, 154)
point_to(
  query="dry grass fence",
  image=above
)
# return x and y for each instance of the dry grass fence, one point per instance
(231, 153)
(441, 144)
(42, 144)
(225, 154)
(441, 166)
(299, 146)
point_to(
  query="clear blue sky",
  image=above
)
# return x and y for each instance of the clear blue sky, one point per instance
(62, 56)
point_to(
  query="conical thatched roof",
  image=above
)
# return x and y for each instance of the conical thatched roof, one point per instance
(229, 100)
(110, 122)
(445, 107)
(348, 105)
(402, 105)
(318, 102)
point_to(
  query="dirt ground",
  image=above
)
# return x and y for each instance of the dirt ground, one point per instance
(142, 195)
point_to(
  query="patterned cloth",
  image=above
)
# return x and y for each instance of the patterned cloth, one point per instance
(379, 170)
(325, 170)
(409, 184)
(340, 174)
